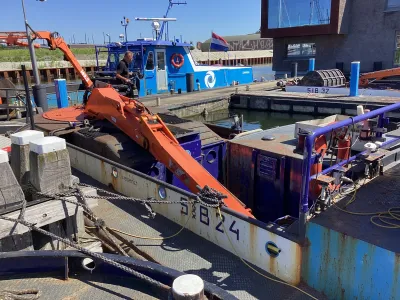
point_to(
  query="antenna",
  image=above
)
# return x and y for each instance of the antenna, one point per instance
(160, 28)
(165, 24)
(156, 24)
(156, 19)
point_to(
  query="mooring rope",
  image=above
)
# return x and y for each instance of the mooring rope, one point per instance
(207, 197)
(20, 295)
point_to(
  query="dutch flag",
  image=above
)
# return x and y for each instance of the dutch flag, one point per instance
(218, 43)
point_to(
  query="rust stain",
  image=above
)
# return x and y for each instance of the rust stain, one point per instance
(253, 242)
(396, 277)
(115, 181)
(272, 265)
(305, 249)
(298, 263)
(103, 174)
(272, 260)
(324, 273)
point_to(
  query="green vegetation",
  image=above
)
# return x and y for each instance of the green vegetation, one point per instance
(397, 57)
(22, 54)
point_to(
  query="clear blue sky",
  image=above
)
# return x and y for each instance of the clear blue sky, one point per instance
(195, 20)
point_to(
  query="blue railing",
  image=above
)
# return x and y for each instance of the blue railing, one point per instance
(309, 156)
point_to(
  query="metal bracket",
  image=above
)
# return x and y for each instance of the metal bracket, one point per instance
(325, 180)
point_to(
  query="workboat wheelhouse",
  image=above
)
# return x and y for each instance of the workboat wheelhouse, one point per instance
(169, 66)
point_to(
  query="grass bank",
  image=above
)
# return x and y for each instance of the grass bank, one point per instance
(22, 55)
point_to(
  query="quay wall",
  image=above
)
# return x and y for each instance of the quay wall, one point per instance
(48, 70)
(310, 105)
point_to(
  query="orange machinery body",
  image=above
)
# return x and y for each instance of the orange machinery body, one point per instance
(150, 132)
(132, 118)
(54, 41)
(377, 75)
(14, 39)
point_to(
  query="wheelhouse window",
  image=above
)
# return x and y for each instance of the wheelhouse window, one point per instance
(393, 5)
(150, 61)
(295, 13)
(301, 50)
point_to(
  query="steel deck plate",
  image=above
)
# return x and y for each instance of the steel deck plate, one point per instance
(379, 195)
(189, 253)
(83, 287)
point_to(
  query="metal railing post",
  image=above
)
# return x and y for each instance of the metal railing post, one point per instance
(305, 188)
(308, 156)
(29, 113)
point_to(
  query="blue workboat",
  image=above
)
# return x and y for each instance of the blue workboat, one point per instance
(162, 65)
(169, 66)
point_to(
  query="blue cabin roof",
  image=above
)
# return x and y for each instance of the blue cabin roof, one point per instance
(140, 43)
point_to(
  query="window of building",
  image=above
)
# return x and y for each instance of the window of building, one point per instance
(301, 50)
(295, 13)
(393, 5)
(150, 61)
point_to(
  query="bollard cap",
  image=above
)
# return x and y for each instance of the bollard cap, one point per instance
(47, 144)
(3, 156)
(188, 285)
(25, 137)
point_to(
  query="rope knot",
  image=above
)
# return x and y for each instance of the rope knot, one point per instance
(99, 223)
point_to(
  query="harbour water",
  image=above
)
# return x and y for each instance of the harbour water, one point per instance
(252, 119)
(263, 71)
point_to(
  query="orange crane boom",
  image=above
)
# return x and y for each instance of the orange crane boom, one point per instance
(377, 75)
(149, 131)
(136, 121)
(54, 42)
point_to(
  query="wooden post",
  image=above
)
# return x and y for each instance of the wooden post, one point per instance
(49, 164)
(10, 191)
(48, 74)
(20, 153)
(66, 74)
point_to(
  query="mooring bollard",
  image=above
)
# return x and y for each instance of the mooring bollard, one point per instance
(158, 101)
(10, 191)
(187, 287)
(50, 168)
(40, 96)
(61, 93)
(311, 64)
(354, 78)
(20, 153)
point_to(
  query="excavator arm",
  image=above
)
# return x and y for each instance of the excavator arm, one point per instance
(54, 42)
(150, 132)
(377, 75)
(136, 121)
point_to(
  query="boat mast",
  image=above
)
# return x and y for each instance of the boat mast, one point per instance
(165, 24)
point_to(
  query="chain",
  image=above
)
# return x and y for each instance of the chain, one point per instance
(207, 197)
(32, 226)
